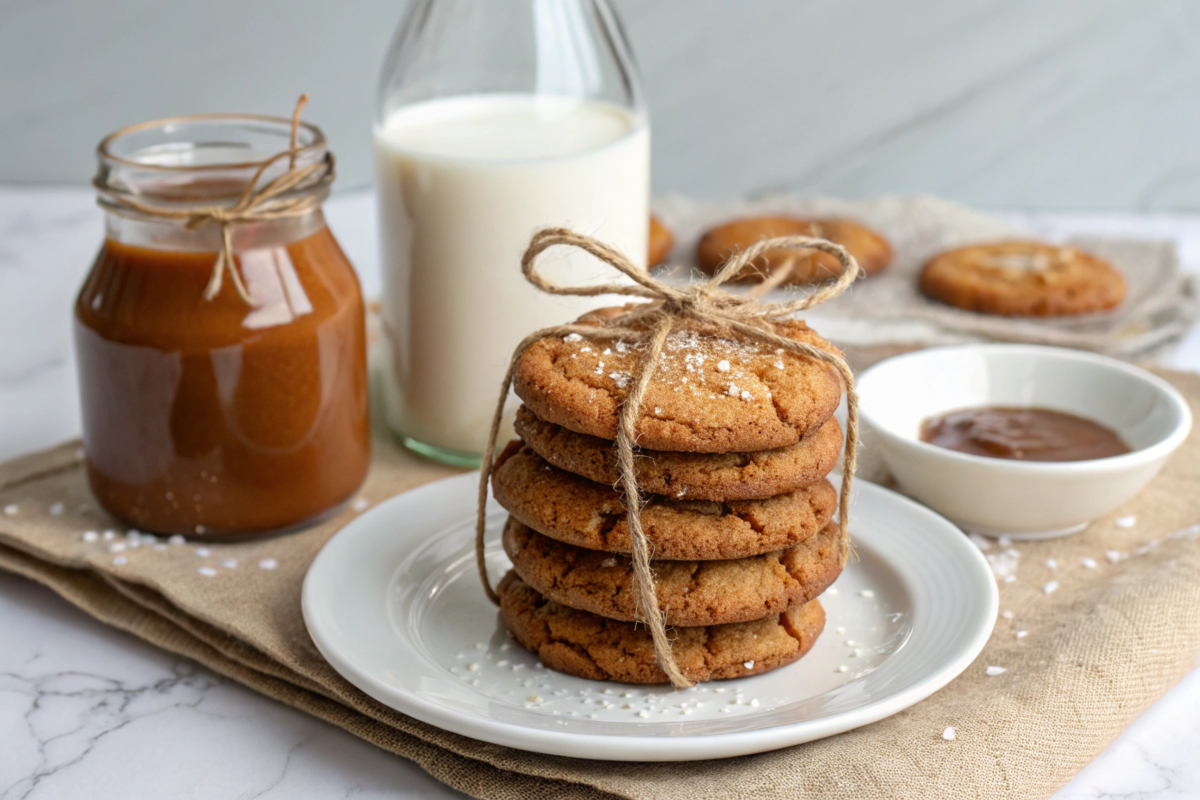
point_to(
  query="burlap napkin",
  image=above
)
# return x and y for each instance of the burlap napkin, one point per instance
(1094, 654)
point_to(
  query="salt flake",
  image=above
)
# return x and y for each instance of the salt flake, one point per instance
(949, 734)
(994, 671)
(1050, 587)
(723, 366)
(1126, 522)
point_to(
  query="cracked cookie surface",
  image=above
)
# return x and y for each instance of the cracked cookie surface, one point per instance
(689, 592)
(696, 476)
(577, 511)
(708, 394)
(1022, 279)
(583, 644)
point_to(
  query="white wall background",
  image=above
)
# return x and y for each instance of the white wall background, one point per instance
(1082, 104)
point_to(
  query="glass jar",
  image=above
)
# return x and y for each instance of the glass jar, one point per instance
(219, 400)
(494, 120)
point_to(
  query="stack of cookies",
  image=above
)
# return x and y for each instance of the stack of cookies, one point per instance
(735, 440)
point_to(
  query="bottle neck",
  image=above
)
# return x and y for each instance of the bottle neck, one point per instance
(175, 236)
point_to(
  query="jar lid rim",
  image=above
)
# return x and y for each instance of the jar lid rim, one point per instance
(103, 149)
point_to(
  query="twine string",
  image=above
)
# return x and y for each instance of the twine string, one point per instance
(702, 304)
(298, 191)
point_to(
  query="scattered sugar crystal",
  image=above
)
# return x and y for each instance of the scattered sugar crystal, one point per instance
(867, 593)
(657, 410)
(90, 536)
(994, 671)
(608, 562)
(361, 504)
(949, 734)
(11, 510)
(109, 535)
(722, 366)
(120, 560)
(502, 662)
(473, 667)
(746, 395)
(1004, 541)
(207, 572)
(643, 713)
(203, 552)
(1126, 522)
(572, 337)
(1190, 532)
(229, 563)
(620, 378)
(681, 492)
(778, 365)
(754, 703)
(733, 390)
(1050, 587)
(56, 509)
(1022, 634)
(841, 668)
(841, 629)
(1113, 556)
(748, 665)
(117, 547)
(177, 540)
(1090, 563)
(534, 698)
(133, 534)
(1006, 614)
(849, 643)
(725, 710)
(1051, 563)
(268, 563)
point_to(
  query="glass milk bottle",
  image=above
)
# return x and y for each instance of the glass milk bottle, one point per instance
(495, 119)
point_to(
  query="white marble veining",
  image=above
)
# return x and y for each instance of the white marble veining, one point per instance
(86, 711)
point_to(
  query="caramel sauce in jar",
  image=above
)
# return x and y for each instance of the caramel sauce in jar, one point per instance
(222, 417)
(1024, 434)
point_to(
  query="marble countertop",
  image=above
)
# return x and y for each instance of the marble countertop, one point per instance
(87, 711)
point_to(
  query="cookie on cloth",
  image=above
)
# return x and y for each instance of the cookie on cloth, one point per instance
(577, 511)
(695, 476)
(869, 248)
(583, 644)
(661, 242)
(1023, 279)
(689, 592)
(708, 394)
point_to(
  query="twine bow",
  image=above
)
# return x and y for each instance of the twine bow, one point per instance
(704, 305)
(295, 193)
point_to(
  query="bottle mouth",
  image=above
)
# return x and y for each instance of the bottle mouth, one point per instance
(203, 157)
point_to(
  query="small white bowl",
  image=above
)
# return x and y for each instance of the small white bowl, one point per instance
(1020, 499)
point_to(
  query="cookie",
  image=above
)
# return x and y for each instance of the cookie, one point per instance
(589, 646)
(708, 395)
(696, 476)
(689, 592)
(577, 511)
(1023, 279)
(870, 250)
(661, 242)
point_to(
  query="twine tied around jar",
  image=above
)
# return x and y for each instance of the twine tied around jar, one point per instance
(701, 306)
(297, 192)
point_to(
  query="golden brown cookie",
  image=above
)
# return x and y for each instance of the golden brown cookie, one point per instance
(689, 592)
(589, 646)
(870, 250)
(695, 476)
(579, 512)
(1023, 279)
(661, 242)
(708, 395)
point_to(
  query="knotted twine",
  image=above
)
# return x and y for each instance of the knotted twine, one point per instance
(701, 305)
(297, 192)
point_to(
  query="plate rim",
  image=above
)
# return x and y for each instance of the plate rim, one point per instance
(604, 747)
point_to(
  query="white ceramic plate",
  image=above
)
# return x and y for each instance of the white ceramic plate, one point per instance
(394, 604)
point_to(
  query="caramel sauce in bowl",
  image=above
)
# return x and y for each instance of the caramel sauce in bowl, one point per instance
(997, 477)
